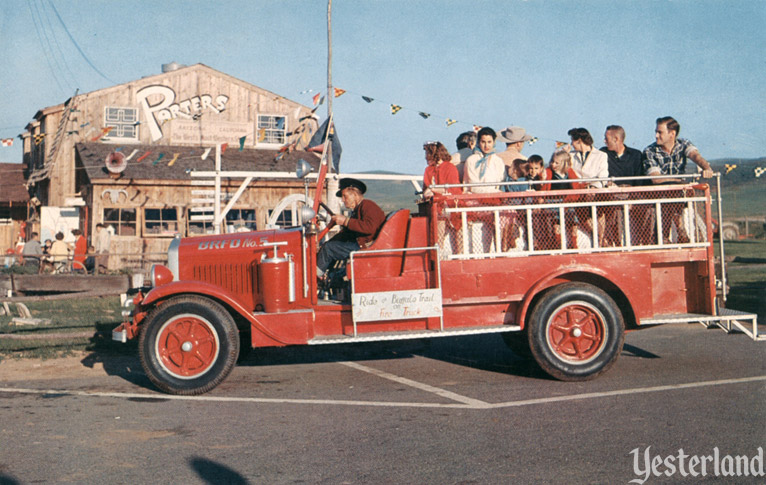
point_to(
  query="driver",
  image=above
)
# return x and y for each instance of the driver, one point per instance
(358, 230)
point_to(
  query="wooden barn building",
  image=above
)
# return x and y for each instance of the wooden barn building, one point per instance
(124, 156)
(13, 204)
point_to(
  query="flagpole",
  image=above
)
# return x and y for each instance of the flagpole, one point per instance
(329, 68)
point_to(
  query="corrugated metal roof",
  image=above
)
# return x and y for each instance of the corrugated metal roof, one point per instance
(152, 162)
(12, 183)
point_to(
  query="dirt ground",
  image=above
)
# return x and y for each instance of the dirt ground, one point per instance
(77, 365)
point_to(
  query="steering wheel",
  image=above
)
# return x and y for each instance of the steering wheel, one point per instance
(324, 206)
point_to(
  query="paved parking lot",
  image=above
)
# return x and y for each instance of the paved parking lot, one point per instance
(440, 411)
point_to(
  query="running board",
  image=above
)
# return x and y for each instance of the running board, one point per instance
(728, 319)
(412, 334)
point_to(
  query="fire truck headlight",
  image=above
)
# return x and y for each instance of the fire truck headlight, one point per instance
(160, 275)
(306, 214)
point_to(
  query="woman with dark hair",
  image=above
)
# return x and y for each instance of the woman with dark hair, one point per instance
(438, 172)
(588, 162)
(484, 166)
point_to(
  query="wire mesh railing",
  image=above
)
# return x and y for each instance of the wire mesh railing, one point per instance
(572, 221)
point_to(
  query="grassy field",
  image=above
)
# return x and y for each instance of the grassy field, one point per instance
(747, 281)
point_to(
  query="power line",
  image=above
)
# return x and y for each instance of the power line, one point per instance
(58, 45)
(45, 51)
(76, 45)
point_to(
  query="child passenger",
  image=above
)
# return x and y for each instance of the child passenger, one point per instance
(517, 172)
(560, 168)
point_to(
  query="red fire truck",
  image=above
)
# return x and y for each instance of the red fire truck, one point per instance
(560, 274)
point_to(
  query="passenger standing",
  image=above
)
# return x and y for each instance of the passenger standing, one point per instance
(625, 162)
(484, 166)
(514, 138)
(438, 172)
(622, 161)
(466, 142)
(668, 155)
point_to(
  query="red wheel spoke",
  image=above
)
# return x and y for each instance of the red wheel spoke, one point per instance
(188, 346)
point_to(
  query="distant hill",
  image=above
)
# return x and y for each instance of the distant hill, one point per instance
(744, 171)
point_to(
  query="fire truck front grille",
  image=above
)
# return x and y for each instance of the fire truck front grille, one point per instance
(237, 278)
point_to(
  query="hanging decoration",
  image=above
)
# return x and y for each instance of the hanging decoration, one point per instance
(242, 142)
(103, 133)
(261, 134)
(7, 142)
(532, 141)
(339, 92)
(729, 167)
(395, 108)
(476, 128)
(162, 155)
(759, 171)
(450, 121)
(135, 150)
(175, 157)
(224, 147)
(560, 144)
(39, 138)
(425, 116)
(368, 99)
(141, 158)
(205, 154)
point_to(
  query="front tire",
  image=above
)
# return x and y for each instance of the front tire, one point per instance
(188, 345)
(576, 332)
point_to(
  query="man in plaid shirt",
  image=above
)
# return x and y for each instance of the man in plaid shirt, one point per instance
(668, 156)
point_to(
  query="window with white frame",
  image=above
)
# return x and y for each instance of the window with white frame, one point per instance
(123, 121)
(160, 222)
(271, 130)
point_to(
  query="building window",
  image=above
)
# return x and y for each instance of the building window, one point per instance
(285, 218)
(272, 130)
(160, 222)
(123, 221)
(240, 220)
(196, 228)
(124, 123)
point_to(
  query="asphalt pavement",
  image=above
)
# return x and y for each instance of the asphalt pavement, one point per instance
(448, 410)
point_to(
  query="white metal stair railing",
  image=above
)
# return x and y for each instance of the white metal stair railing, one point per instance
(727, 319)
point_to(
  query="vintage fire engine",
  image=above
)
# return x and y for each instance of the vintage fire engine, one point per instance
(560, 274)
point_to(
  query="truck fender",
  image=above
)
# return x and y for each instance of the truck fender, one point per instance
(545, 282)
(199, 288)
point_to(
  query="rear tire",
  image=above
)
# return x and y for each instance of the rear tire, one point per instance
(188, 345)
(576, 332)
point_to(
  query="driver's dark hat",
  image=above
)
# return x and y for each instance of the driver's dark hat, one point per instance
(349, 182)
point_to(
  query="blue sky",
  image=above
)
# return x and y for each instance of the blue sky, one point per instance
(545, 65)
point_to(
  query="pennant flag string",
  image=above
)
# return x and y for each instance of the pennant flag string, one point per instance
(395, 109)
(729, 167)
(759, 171)
(7, 142)
(450, 121)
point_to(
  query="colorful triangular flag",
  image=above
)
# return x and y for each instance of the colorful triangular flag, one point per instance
(39, 138)
(450, 121)
(315, 99)
(533, 140)
(368, 99)
(261, 134)
(759, 171)
(395, 108)
(729, 167)
(141, 158)
(7, 142)
(135, 150)
(175, 157)
(476, 128)
(224, 147)
(339, 92)
(560, 144)
(205, 154)
(242, 143)
(162, 155)
(425, 116)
